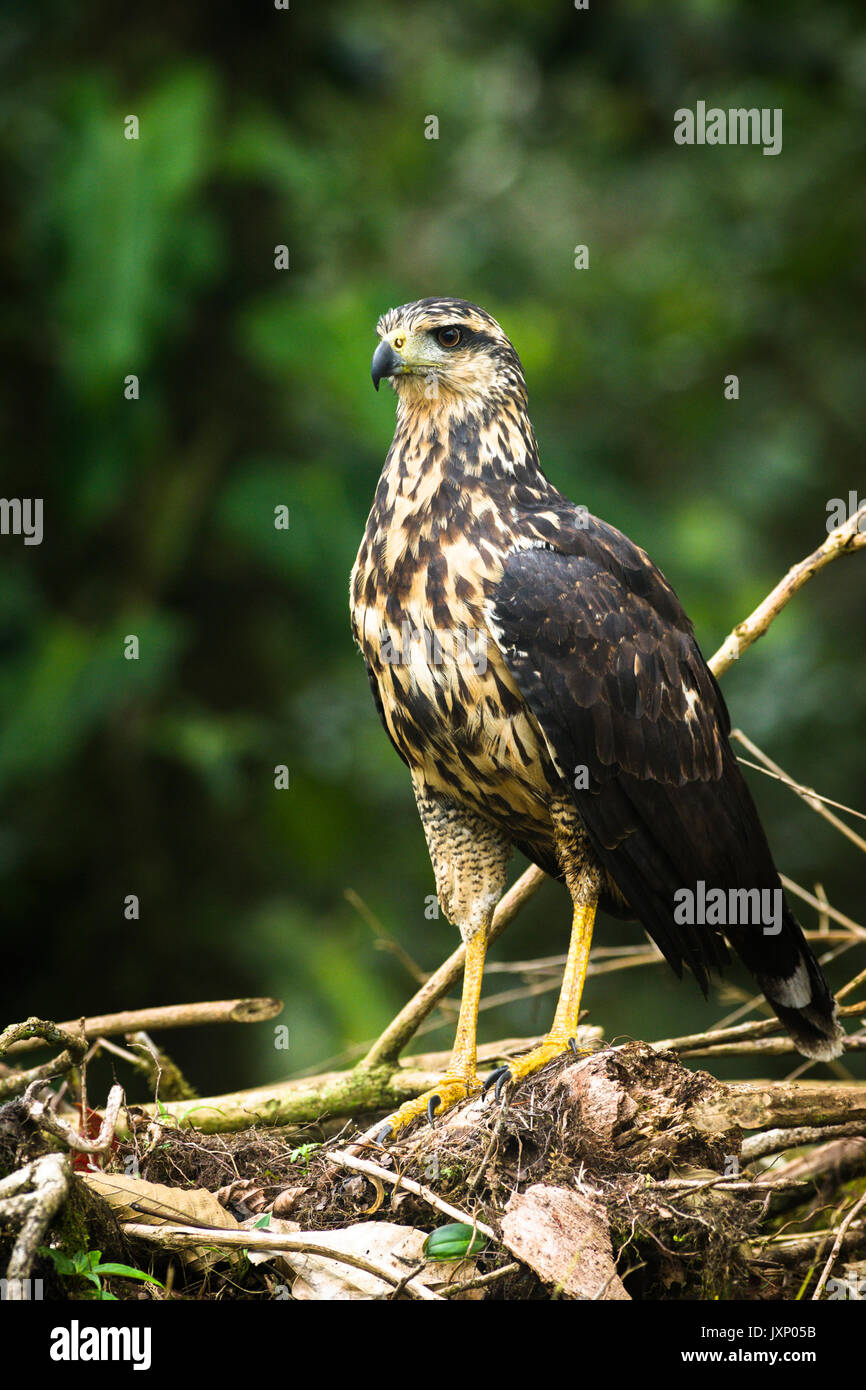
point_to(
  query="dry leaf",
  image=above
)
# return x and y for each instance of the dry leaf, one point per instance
(399, 1249)
(243, 1192)
(153, 1204)
(287, 1200)
(565, 1239)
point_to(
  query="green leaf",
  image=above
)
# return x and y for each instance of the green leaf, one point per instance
(125, 1272)
(453, 1242)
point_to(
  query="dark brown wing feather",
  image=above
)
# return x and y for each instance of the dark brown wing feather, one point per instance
(600, 648)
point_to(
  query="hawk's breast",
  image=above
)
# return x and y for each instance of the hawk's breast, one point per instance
(448, 700)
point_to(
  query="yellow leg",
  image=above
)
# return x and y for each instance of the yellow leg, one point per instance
(461, 1078)
(563, 1031)
(464, 1053)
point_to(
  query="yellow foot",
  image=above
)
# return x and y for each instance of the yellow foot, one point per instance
(533, 1061)
(444, 1094)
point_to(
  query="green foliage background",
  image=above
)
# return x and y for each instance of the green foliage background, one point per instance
(156, 257)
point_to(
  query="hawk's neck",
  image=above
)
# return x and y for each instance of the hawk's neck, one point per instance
(447, 449)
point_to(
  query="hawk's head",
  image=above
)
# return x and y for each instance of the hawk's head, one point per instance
(445, 347)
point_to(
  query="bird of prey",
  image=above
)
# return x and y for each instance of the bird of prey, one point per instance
(538, 676)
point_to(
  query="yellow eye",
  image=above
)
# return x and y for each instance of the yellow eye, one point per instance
(449, 337)
(398, 343)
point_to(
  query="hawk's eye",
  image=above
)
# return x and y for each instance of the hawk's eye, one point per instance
(449, 337)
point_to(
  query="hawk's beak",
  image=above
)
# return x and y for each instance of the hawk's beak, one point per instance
(386, 362)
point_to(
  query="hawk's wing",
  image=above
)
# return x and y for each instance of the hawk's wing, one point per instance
(599, 646)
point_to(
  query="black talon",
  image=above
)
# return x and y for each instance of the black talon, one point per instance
(498, 1078)
(572, 1043)
(382, 1134)
(431, 1107)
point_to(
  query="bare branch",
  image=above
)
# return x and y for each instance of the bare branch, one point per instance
(49, 1179)
(844, 540)
(67, 1036)
(42, 1115)
(167, 1016)
(773, 1141)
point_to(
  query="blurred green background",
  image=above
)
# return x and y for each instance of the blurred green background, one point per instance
(305, 128)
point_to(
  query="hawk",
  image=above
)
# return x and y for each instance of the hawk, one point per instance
(543, 685)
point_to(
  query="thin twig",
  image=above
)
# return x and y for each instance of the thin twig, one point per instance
(824, 907)
(843, 540)
(373, 1170)
(731, 1184)
(383, 938)
(812, 798)
(769, 1047)
(475, 1181)
(740, 1032)
(479, 1282)
(837, 1245)
(851, 985)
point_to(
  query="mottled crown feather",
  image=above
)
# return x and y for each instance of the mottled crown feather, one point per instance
(433, 312)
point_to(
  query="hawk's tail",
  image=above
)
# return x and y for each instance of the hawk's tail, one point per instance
(798, 993)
